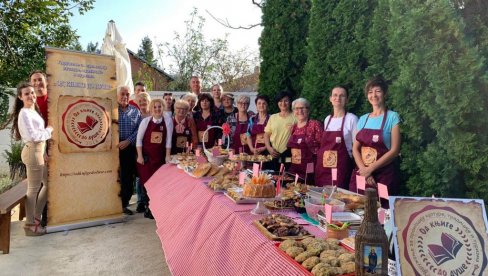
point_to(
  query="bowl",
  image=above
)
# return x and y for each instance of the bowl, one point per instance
(337, 205)
(313, 206)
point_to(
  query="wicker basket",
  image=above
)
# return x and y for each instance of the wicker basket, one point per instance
(217, 160)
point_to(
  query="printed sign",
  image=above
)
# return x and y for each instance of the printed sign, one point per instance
(440, 236)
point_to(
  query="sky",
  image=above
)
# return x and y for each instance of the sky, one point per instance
(160, 19)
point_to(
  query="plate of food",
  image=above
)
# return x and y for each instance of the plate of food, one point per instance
(222, 183)
(281, 227)
(235, 194)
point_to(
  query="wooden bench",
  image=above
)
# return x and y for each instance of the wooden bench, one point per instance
(8, 200)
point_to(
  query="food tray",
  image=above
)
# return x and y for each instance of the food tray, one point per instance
(298, 265)
(273, 237)
(344, 217)
(270, 205)
(242, 200)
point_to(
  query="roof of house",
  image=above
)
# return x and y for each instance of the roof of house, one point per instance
(171, 78)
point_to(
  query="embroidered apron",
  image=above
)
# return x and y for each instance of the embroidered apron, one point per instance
(333, 154)
(181, 135)
(301, 154)
(372, 149)
(239, 138)
(202, 125)
(153, 150)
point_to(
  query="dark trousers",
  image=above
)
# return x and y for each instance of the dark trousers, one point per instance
(127, 158)
(275, 164)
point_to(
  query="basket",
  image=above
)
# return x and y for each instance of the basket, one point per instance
(217, 160)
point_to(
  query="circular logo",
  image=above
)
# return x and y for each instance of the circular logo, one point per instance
(85, 123)
(440, 241)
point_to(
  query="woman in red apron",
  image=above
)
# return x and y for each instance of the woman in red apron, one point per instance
(153, 144)
(239, 138)
(377, 142)
(205, 117)
(304, 141)
(336, 143)
(185, 130)
(255, 134)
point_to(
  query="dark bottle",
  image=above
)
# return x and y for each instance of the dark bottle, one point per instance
(371, 242)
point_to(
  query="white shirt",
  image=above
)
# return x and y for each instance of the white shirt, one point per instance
(31, 126)
(168, 121)
(348, 130)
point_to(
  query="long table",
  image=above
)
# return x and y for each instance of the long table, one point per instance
(205, 233)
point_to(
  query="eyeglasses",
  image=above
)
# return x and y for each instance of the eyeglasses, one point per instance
(243, 103)
(301, 108)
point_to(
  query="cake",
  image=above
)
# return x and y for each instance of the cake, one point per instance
(259, 186)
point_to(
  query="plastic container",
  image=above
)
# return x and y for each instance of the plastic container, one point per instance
(337, 205)
(313, 206)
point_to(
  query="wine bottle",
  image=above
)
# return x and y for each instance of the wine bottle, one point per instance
(371, 242)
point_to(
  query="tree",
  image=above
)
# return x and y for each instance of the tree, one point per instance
(237, 70)
(93, 48)
(338, 39)
(282, 46)
(191, 53)
(26, 27)
(146, 51)
(441, 93)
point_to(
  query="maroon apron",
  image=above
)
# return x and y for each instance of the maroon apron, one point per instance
(372, 149)
(301, 154)
(333, 154)
(239, 138)
(153, 150)
(257, 131)
(202, 125)
(181, 135)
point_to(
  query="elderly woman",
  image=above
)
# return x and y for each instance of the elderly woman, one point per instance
(216, 93)
(305, 137)
(204, 117)
(239, 137)
(255, 133)
(377, 143)
(153, 144)
(192, 101)
(278, 130)
(336, 144)
(143, 99)
(185, 129)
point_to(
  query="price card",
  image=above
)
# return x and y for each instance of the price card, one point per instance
(198, 152)
(242, 177)
(360, 183)
(381, 215)
(383, 191)
(282, 168)
(216, 152)
(278, 187)
(220, 142)
(328, 213)
(255, 169)
(231, 154)
(296, 179)
(191, 146)
(334, 174)
(309, 168)
(186, 145)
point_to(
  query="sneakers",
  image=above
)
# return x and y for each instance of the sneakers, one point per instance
(127, 211)
(148, 214)
(140, 208)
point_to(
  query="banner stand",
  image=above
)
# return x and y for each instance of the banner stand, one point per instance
(85, 224)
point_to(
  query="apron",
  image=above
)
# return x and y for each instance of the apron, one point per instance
(202, 125)
(301, 154)
(333, 154)
(153, 150)
(257, 132)
(181, 135)
(372, 149)
(239, 138)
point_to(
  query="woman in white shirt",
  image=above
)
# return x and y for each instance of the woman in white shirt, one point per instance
(335, 152)
(28, 125)
(153, 144)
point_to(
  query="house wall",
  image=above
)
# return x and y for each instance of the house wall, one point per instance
(143, 72)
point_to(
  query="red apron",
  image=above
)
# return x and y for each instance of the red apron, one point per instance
(153, 150)
(202, 125)
(333, 154)
(181, 135)
(257, 131)
(372, 149)
(301, 154)
(239, 138)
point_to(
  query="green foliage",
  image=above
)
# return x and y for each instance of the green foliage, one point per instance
(146, 51)
(441, 93)
(338, 45)
(14, 160)
(282, 46)
(93, 48)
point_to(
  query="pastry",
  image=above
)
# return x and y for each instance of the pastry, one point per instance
(311, 262)
(201, 169)
(259, 187)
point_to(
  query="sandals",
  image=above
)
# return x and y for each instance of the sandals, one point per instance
(37, 231)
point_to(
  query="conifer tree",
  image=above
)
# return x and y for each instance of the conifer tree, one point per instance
(282, 46)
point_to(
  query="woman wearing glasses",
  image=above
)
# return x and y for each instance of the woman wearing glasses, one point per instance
(336, 144)
(185, 130)
(239, 137)
(278, 130)
(304, 140)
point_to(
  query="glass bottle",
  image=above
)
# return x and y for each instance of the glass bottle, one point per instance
(371, 242)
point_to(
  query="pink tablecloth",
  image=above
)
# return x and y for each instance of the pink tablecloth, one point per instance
(205, 233)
